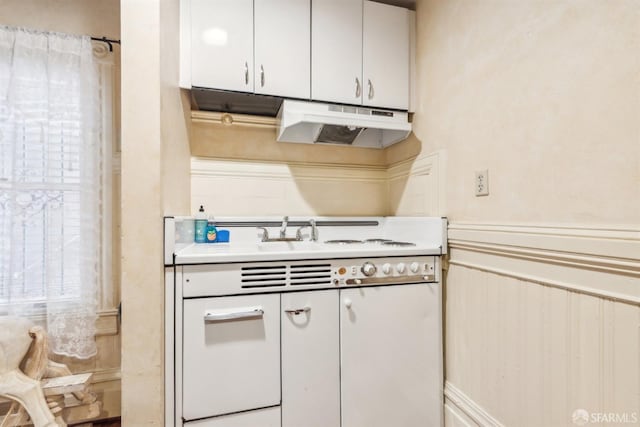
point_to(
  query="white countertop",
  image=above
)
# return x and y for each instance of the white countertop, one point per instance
(428, 234)
(210, 253)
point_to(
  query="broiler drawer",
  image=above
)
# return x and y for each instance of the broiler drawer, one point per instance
(231, 354)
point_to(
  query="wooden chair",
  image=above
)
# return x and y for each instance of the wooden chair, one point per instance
(15, 342)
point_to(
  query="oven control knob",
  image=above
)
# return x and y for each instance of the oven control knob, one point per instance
(386, 268)
(368, 269)
(414, 267)
(400, 267)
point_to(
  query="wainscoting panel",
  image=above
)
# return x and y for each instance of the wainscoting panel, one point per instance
(534, 332)
(415, 186)
(231, 187)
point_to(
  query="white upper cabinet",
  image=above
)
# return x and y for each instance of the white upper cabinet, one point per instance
(360, 53)
(344, 51)
(222, 44)
(336, 46)
(282, 48)
(385, 56)
(227, 35)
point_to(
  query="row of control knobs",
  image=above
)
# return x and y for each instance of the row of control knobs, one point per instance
(369, 269)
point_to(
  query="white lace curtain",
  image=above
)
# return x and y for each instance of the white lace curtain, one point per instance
(51, 163)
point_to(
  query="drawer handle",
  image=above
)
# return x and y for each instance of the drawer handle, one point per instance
(235, 314)
(297, 311)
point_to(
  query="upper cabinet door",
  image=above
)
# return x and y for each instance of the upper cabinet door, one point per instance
(385, 68)
(336, 43)
(222, 44)
(282, 48)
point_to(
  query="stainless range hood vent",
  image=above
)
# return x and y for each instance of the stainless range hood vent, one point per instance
(332, 134)
(313, 122)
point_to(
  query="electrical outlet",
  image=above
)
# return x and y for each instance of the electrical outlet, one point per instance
(482, 183)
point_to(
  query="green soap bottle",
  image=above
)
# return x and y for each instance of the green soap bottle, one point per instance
(200, 226)
(212, 232)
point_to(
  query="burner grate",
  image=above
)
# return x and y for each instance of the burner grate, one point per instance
(377, 240)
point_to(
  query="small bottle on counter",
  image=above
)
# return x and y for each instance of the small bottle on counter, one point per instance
(200, 226)
(212, 232)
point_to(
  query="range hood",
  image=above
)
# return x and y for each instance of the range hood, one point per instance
(314, 122)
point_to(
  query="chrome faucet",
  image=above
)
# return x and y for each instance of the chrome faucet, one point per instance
(314, 230)
(283, 229)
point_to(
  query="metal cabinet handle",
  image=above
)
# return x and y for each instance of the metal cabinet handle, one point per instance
(234, 314)
(297, 311)
(370, 89)
(358, 88)
(246, 73)
(261, 76)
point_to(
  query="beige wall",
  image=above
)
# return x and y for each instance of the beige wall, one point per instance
(543, 286)
(241, 169)
(210, 138)
(545, 95)
(155, 174)
(96, 18)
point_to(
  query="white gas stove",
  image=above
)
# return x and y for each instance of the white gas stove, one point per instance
(336, 322)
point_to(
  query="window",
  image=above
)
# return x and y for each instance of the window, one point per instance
(54, 114)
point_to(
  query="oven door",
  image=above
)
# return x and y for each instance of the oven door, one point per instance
(231, 351)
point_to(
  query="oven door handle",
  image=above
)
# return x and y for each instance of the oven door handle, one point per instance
(234, 314)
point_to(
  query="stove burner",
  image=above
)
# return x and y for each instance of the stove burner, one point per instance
(377, 240)
(344, 242)
(392, 243)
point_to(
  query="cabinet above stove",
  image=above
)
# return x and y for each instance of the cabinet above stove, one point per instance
(351, 52)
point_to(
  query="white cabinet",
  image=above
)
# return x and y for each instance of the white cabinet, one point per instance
(336, 44)
(362, 357)
(385, 56)
(391, 356)
(231, 359)
(360, 53)
(282, 49)
(227, 35)
(310, 359)
(222, 44)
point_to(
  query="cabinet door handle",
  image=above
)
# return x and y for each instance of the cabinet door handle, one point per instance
(347, 303)
(297, 311)
(370, 89)
(358, 88)
(246, 73)
(233, 314)
(261, 75)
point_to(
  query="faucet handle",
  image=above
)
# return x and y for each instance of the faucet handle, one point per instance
(265, 233)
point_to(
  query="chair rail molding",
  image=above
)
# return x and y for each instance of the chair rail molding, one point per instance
(213, 167)
(602, 262)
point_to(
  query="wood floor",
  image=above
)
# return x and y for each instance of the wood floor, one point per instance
(114, 422)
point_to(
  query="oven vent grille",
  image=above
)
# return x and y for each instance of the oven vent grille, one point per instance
(267, 276)
(264, 276)
(310, 274)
